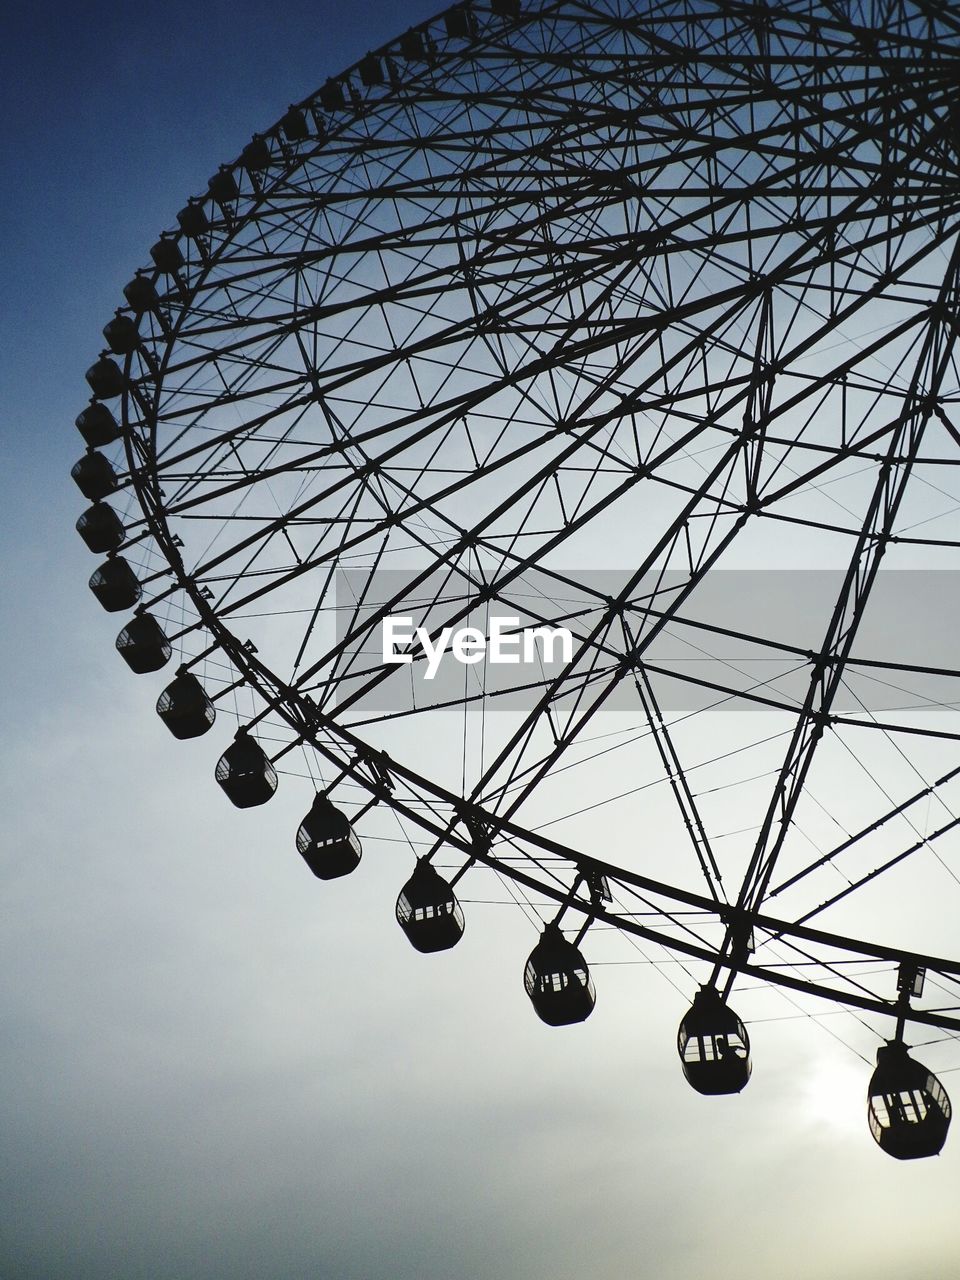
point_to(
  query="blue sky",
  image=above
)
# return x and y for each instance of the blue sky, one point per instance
(209, 1070)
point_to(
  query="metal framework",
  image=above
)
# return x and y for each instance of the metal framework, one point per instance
(657, 289)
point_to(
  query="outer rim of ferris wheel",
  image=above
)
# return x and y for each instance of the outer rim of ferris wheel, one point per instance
(901, 208)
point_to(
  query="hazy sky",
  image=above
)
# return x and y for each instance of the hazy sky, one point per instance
(212, 1065)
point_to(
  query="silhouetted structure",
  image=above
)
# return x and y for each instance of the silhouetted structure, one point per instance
(686, 237)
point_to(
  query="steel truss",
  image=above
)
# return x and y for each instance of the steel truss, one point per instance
(537, 286)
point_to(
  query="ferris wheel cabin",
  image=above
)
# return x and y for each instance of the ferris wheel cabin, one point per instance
(557, 980)
(97, 425)
(246, 772)
(141, 292)
(167, 255)
(142, 644)
(94, 476)
(907, 1107)
(101, 528)
(185, 708)
(713, 1045)
(294, 126)
(105, 378)
(120, 335)
(115, 585)
(327, 842)
(428, 911)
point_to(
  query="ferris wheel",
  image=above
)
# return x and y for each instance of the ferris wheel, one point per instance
(628, 323)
